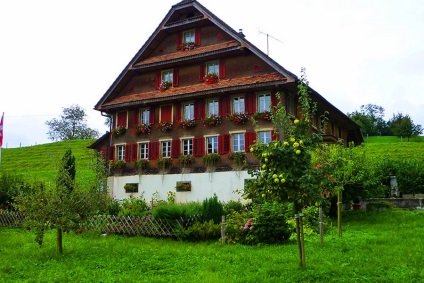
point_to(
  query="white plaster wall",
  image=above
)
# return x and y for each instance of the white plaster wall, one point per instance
(204, 185)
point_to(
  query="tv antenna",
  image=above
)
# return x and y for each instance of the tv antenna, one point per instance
(267, 40)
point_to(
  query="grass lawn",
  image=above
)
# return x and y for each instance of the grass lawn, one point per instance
(375, 247)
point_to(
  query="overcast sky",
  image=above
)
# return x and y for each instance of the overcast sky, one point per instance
(54, 54)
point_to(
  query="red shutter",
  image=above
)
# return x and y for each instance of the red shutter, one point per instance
(127, 152)
(175, 77)
(274, 135)
(250, 103)
(222, 69)
(274, 100)
(121, 119)
(179, 40)
(199, 146)
(153, 150)
(158, 80)
(177, 114)
(249, 139)
(166, 113)
(152, 115)
(112, 152)
(197, 40)
(175, 148)
(199, 109)
(134, 152)
(202, 72)
(224, 106)
(136, 117)
(224, 143)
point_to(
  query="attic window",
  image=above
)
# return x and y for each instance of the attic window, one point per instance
(188, 39)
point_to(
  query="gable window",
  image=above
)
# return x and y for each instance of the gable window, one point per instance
(265, 136)
(188, 111)
(238, 142)
(167, 76)
(143, 149)
(212, 68)
(213, 107)
(187, 146)
(264, 102)
(166, 148)
(212, 144)
(238, 104)
(145, 116)
(120, 150)
(189, 36)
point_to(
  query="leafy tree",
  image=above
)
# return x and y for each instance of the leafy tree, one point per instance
(57, 207)
(371, 120)
(67, 171)
(403, 126)
(287, 174)
(71, 125)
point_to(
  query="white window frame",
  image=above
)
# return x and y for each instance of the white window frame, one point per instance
(265, 139)
(189, 36)
(187, 146)
(213, 142)
(167, 75)
(212, 67)
(238, 104)
(188, 111)
(145, 116)
(120, 152)
(143, 150)
(264, 102)
(165, 148)
(212, 107)
(238, 142)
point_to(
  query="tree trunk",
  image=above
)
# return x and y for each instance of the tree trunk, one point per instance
(59, 241)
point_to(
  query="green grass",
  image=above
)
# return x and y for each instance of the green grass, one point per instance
(40, 162)
(375, 247)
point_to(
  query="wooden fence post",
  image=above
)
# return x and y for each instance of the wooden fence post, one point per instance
(223, 229)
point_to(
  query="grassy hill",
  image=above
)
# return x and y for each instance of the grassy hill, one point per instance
(40, 162)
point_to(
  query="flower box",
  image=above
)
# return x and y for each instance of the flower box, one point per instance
(212, 120)
(164, 85)
(188, 123)
(119, 131)
(264, 115)
(142, 129)
(210, 78)
(165, 126)
(183, 186)
(238, 118)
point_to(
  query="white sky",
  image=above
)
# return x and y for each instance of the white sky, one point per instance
(54, 54)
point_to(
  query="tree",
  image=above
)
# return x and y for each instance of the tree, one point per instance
(371, 120)
(57, 207)
(71, 125)
(403, 126)
(286, 173)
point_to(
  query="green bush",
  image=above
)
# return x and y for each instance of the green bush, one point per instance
(201, 231)
(233, 205)
(133, 207)
(9, 188)
(379, 206)
(212, 209)
(176, 211)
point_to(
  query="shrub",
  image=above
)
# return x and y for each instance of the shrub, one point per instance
(176, 211)
(233, 205)
(9, 188)
(134, 207)
(212, 209)
(204, 231)
(379, 205)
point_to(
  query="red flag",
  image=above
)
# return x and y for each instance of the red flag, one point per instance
(1, 130)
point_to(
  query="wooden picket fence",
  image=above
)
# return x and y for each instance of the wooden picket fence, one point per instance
(110, 224)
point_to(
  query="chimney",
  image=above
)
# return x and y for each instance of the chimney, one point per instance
(241, 32)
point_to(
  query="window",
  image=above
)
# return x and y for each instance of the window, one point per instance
(166, 148)
(189, 111)
(264, 102)
(144, 150)
(265, 137)
(238, 104)
(167, 76)
(145, 116)
(188, 36)
(238, 142)
(187, 146)
(213, 107)
(212, 68)
(121, 152)
(212, 144)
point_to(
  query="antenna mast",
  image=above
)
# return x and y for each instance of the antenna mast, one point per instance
(267, 40)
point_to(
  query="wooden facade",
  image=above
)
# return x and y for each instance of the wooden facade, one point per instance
(190, 87)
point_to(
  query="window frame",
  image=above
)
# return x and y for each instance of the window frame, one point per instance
(120, 152)
(264, 131)
(188, 115)
(144, 151)
(164, 76)
(215, 65)
(165, 148)
(215, 144)
(187, 146)
(143, 119)
(215, 105)
(263, 108)
(240, 104)
(192, 33)
(240, 140)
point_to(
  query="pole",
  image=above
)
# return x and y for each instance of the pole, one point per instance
(339, 213)
(321, 232)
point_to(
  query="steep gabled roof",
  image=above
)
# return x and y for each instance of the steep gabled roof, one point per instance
(175, 18)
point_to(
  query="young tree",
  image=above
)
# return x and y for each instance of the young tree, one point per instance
(59, 207)
(71, 125)
(287, 173)
(403, 126)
